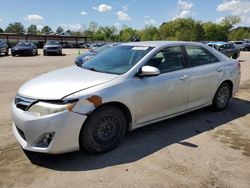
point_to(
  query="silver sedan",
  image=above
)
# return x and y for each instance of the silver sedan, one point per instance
(119, 90)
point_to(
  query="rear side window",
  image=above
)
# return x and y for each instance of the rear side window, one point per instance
(199, 56)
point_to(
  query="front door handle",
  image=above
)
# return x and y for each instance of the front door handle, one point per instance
(184, 77)
(219, 69)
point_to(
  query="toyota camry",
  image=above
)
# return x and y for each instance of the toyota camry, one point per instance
(126, 87)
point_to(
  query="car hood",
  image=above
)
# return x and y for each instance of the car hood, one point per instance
(60, 83)
(22, 48)
(46, 46)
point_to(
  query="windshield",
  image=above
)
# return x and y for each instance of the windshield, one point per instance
(52, 43)
(24, 44)
(117, 60)
(103, 48)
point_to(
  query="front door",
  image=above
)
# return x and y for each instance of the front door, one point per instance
(166, 94)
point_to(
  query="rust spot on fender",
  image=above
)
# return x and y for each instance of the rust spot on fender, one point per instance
(96, 100)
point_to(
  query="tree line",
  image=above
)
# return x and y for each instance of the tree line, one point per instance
(184, 29)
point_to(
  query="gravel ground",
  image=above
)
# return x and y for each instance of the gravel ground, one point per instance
(199, 149)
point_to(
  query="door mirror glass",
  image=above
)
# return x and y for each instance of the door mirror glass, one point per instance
(149, 71)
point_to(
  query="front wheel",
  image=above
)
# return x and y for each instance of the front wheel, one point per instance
(103, 130)
(222, 97)
(235, 56)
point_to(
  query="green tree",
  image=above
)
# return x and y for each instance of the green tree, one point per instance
(16, 27)
(230, 21)
(199, 32)
(32, 29)
(239, 33)
(149, 33)
(184, 29)
(127, 33)
(93, 26)
(59, 30)
(214, 32)
(46, 29)
(1, 30)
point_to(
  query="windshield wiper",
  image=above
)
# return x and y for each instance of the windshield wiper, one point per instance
(92, 69)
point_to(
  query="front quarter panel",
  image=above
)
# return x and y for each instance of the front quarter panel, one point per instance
(119, 91)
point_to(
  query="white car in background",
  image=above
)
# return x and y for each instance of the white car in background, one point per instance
(240, 45)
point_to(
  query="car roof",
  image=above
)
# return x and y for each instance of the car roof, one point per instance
(218, 43)
(160, 43)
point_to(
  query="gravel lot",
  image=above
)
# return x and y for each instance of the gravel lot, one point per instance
(199, 149)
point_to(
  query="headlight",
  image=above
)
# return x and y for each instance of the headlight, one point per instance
(43, 108)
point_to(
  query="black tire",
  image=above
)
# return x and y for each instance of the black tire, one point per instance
(103, 130)
(44, 54)
(235, 56)
(13, 54)
(222, 97)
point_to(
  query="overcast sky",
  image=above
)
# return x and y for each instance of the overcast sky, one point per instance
(77, 14)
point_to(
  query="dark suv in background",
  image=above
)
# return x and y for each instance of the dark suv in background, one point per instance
(4, 48)
(52, 47)
(226, 48)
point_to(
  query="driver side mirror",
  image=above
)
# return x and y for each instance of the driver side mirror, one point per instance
(149, 71)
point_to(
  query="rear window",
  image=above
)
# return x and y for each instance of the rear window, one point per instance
(199, 56)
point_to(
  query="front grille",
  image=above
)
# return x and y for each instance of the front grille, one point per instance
(23, 103)
(21, 133)
(52, 48)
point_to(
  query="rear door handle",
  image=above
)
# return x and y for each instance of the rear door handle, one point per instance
(219, 69)
(184, 77)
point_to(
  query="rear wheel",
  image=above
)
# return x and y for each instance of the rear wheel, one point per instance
(222, 97)
(13, 54)
(103, 130)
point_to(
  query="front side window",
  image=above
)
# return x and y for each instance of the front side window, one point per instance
(117, 60)
(199, 56)
(168, 59)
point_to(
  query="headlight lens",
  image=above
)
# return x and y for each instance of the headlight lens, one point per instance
(43, 108)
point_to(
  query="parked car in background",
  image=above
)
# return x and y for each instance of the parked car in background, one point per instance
(89, 55)
(226, 48)
(84, 45)
(239, 44)
(4, 49)
(52, 47)
(124, 88)
(95, 45)
(24, 48)
(247, 44)
(66, 45)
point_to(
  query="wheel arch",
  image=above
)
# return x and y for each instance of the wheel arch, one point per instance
(123, 108)
(230, 84)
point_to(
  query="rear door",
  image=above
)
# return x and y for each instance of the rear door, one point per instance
(205, 72)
